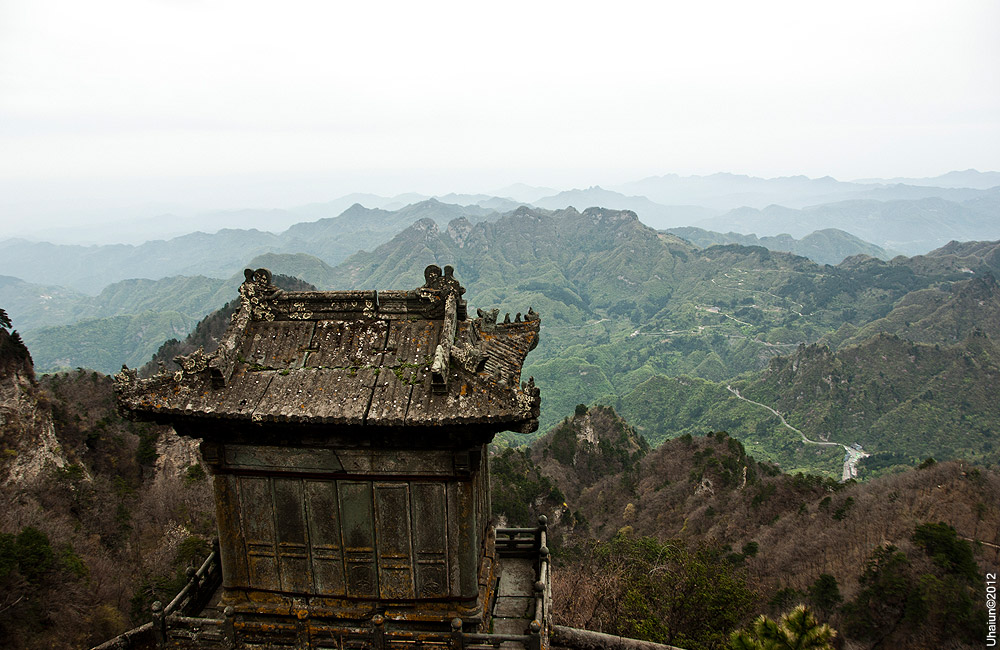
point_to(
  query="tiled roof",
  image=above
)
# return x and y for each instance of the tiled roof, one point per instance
(352, 358)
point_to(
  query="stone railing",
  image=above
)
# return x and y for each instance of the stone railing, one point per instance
(178, 615)
(531, 544)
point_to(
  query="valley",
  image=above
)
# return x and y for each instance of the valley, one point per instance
(632, 317)
(722, 409)
(540, 326)
(768, 539)
(853, 455)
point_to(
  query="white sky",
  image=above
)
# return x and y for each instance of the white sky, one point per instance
(219, 103)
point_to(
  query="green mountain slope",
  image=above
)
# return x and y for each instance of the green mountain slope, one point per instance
(663, 408)
(893, 396)
(129, 320)
(621, 303)
(191, 295)
(295, 265)
(941, 315)
(36, 305)
(896, 398)
(968, 255)
(105, 343)
(46, 306)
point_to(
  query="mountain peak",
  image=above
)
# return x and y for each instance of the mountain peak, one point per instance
(426, 225)
(603, 214)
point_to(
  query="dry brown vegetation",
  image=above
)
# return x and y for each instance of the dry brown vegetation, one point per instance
(791, 536)
(98, 528)
(105, 520)
(804, 526)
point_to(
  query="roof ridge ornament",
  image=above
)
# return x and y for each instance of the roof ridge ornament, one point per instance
(194, 363)
(438, 280)
(442, 354)
(488, 319)
(256, 292)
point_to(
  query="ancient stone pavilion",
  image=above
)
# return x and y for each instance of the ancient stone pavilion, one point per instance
(346, 433)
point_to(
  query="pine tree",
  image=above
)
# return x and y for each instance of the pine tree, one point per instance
(797, 630)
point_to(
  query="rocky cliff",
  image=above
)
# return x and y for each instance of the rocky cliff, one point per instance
(100, 515)
(28, 443)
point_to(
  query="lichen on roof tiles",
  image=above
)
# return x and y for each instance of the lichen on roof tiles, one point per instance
(352, 358)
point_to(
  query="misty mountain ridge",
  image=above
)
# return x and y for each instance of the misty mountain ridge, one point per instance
(332, 239)
(725, 191)
(716, 193)
(525, 193)
(90, 268)
(909, 226)
(653, 214)
(548, 237)
(829, 246)
(969, 178)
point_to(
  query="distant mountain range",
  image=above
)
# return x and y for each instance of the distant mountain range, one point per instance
(828, 246)
(672, 201)
(653, 214)
(625, 307)
(969, 178)
(910, 217)
(727, 191)
(896, 355)
(89, 269)
(912, 227)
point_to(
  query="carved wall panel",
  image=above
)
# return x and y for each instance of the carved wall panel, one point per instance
(368, 539)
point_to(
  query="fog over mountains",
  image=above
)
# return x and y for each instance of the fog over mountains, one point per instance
(692, 250)
(660, 201)
(631, 316)
(719, 383)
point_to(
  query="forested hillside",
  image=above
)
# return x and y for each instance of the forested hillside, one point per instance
(901, 400)
(733, 537)
(625, 308)
(101, 515)
(109, 512)
(650, 323)
(662, 329)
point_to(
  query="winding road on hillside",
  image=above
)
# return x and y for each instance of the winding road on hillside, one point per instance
(850, 460)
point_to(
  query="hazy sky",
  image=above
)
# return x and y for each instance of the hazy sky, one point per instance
(222, 103)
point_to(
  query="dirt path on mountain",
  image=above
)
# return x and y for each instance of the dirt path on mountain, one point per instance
(850, 460)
